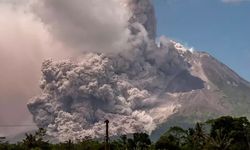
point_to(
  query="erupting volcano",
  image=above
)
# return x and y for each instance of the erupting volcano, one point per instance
(137, 82)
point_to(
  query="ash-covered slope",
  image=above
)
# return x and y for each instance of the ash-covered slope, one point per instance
(235, 88)
(224, 92)
(143, 89)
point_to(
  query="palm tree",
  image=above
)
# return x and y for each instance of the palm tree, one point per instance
(30, 141)
(220, 141)
(36, 140)
(174, 138)
(196, 138)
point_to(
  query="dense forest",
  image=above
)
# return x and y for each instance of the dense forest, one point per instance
(224, 133)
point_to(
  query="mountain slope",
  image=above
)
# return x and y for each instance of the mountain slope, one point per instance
(224, 92)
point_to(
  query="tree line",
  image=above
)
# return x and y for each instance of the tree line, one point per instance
(224, 133)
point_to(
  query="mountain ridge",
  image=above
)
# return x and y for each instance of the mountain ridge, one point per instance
(217, 98)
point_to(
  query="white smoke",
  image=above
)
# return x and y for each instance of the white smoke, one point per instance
(86, 25)
(98, 26)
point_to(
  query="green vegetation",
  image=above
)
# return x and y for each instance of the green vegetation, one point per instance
(224, 133)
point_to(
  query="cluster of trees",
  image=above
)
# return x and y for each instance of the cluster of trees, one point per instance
(139, 141)
(225, 133)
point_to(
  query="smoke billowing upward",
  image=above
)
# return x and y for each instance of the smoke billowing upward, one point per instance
(128, 87)
(143, 13)
(96, 25)
(117, 71)
(89, 25)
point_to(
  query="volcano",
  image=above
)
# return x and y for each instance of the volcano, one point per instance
(151, 86)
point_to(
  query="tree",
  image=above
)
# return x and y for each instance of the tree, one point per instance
(3, 143)
(141, 141)
(174, 138)
(234, 132)
(121, 143)
(219, 142)
(199, 136)
(33, 141)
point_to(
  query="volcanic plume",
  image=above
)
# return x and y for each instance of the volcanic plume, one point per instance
(125, 87)
(130, 78)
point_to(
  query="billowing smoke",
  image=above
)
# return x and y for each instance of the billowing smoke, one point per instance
(82, 24)
(79, 95)
(130, 87)
(89, 25)
(35, 30)
(110, 26)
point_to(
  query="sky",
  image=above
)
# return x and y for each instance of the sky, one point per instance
(219, 27)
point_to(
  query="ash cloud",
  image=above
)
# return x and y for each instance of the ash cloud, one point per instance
(78, 96)
(128, 87)
(28, 38)
(108, 27)
(105, 65)
(86, 25)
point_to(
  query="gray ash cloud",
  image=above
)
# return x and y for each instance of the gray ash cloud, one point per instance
(128, 86)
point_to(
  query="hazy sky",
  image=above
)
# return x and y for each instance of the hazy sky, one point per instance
(219, 27)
